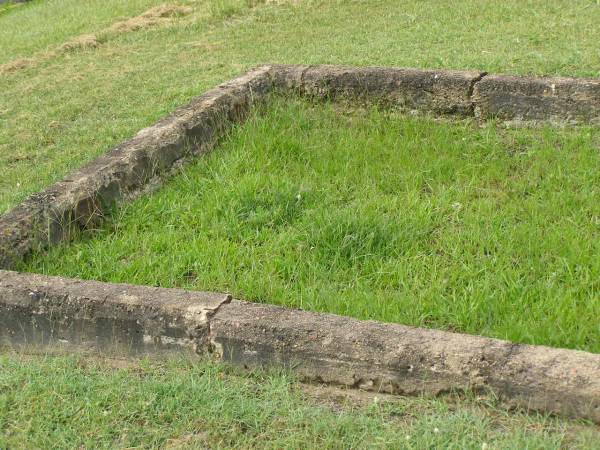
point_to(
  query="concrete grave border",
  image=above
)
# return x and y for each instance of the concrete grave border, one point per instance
(40, 310)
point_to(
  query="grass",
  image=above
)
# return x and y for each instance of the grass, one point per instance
(7, 6)
(68, 107)
(379, 216)
(46, 24)
(59, 113)
(179, 404)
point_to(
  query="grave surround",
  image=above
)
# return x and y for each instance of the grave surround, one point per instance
(38, 311)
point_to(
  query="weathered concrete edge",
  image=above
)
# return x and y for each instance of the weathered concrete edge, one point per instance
(556, 100)
(477, 94)
(440, 92)
(37, 310)
(82, 199)
(41, 311)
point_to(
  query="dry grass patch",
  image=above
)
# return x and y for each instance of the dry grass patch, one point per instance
(159, 15)
(16, 64)
(84, 42)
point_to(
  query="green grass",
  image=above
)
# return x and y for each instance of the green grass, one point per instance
(64, 111)
(68, 109)
(5, 8)
(45, 24)
(60, 402)
(379, 216)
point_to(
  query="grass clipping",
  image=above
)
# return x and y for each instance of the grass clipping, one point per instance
(159, 15)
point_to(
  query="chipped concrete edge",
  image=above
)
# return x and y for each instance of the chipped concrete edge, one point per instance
(38, 311)
(82, 199)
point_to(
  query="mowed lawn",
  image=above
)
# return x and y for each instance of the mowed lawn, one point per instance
(378, 216)
(64, 110)
(74, 402)
(365, 213)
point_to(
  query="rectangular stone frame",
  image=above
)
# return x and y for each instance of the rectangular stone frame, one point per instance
(37, 310)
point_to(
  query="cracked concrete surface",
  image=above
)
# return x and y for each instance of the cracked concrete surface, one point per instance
(90, 315)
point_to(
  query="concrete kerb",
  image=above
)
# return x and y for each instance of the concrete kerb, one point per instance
(39, 310)
(398, 359)
(557, 100)
(121, 319)
(82, 199)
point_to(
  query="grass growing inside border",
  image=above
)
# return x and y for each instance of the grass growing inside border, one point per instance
(93, 404)
(378, 216)
(59, 113)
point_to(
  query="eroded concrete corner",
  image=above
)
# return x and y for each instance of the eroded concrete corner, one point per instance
(82, 199)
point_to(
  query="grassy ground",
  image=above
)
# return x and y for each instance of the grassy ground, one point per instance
(377, 216)
(62, 111)
(6, 7)
(44, 24)
(59, 109)
(95, 404)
